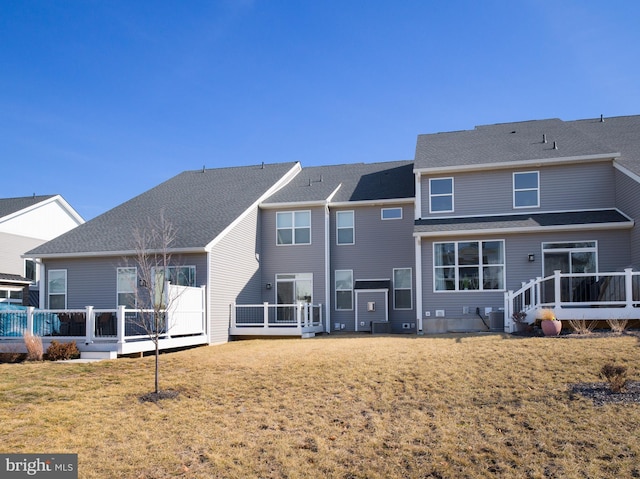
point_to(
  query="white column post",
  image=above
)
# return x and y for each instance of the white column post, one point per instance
(507, 311)
(265, 314)
(90, 325)
(30, 311)
(557, 291)
(628, 287)
(120, 323)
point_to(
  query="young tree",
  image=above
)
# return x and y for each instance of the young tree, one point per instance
(153, 241)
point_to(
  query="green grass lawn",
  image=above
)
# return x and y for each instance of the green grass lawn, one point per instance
(456, 406)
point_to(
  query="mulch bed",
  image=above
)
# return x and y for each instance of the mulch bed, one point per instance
(600, 393)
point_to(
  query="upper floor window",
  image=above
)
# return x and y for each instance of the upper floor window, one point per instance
(440, 195)
(293, 227)
(391, 213)
(469, 265)
(345, 231)
(344, 289)
(30, 270)
(526, 189)
(57, 288)
(402, 296)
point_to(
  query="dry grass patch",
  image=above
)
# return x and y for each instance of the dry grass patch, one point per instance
(345, 407)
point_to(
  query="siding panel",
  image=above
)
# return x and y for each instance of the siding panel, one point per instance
(613, 255)
(235, 277)
(628, 201)
(380, 246)
(562, 188)
(92, 281)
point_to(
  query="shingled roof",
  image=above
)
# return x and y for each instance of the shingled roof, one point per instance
(622, 133)
(608, 218)
(353, 182)
(8, 206)
(199, 204)
(507, 143)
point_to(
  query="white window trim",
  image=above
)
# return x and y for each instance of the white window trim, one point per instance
(281, 278)
(118, 291)
(382, 210)
(582, 249)
(410, 289)
(536, 189)
(293, 227)
(35, 270)
(335, 287)
(66, 287)
(353, 227)
(457, 267)
(155, 269)
(452, 195)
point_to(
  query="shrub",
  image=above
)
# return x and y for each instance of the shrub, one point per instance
(34, 347)
(618, 325)
(62, 351)
(582, 326)
(616, 376)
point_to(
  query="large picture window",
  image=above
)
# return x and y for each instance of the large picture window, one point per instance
(440, 195)
(402, 296)
(293, 227)
(469, 265)
(344, 289)
(345, 230)
(57, 288)
(526, 189)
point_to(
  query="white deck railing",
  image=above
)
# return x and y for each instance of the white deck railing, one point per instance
(577, 296)
(93, 325)
(275, 319)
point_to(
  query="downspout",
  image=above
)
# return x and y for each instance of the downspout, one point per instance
(417, 209)
(418, 246)
(43, 284)
(327, 269)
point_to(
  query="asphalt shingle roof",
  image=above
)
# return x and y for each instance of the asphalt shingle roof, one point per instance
(357, 181)
(506, 142)
(9, 206)
(530, 220)
(621, 133)
(199, 204)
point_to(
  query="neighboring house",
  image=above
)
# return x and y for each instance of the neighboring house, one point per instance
(216, 219)
(24, 224)
(429, 245)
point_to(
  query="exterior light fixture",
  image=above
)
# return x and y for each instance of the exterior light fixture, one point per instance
(532, 257)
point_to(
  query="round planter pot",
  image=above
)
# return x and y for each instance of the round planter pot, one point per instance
(551, 328)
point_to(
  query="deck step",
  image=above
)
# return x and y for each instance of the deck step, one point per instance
(99, 355)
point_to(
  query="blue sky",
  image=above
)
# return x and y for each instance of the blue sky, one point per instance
(102, 100)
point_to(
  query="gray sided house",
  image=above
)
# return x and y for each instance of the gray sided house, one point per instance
(503, 204)
(425, 246)
(215, 215)
(342, 234)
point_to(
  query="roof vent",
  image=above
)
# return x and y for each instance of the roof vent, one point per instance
(544, 138)
(309, 181)
(203, 168)
(555, 145)
(262, 166)
(601, 118)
